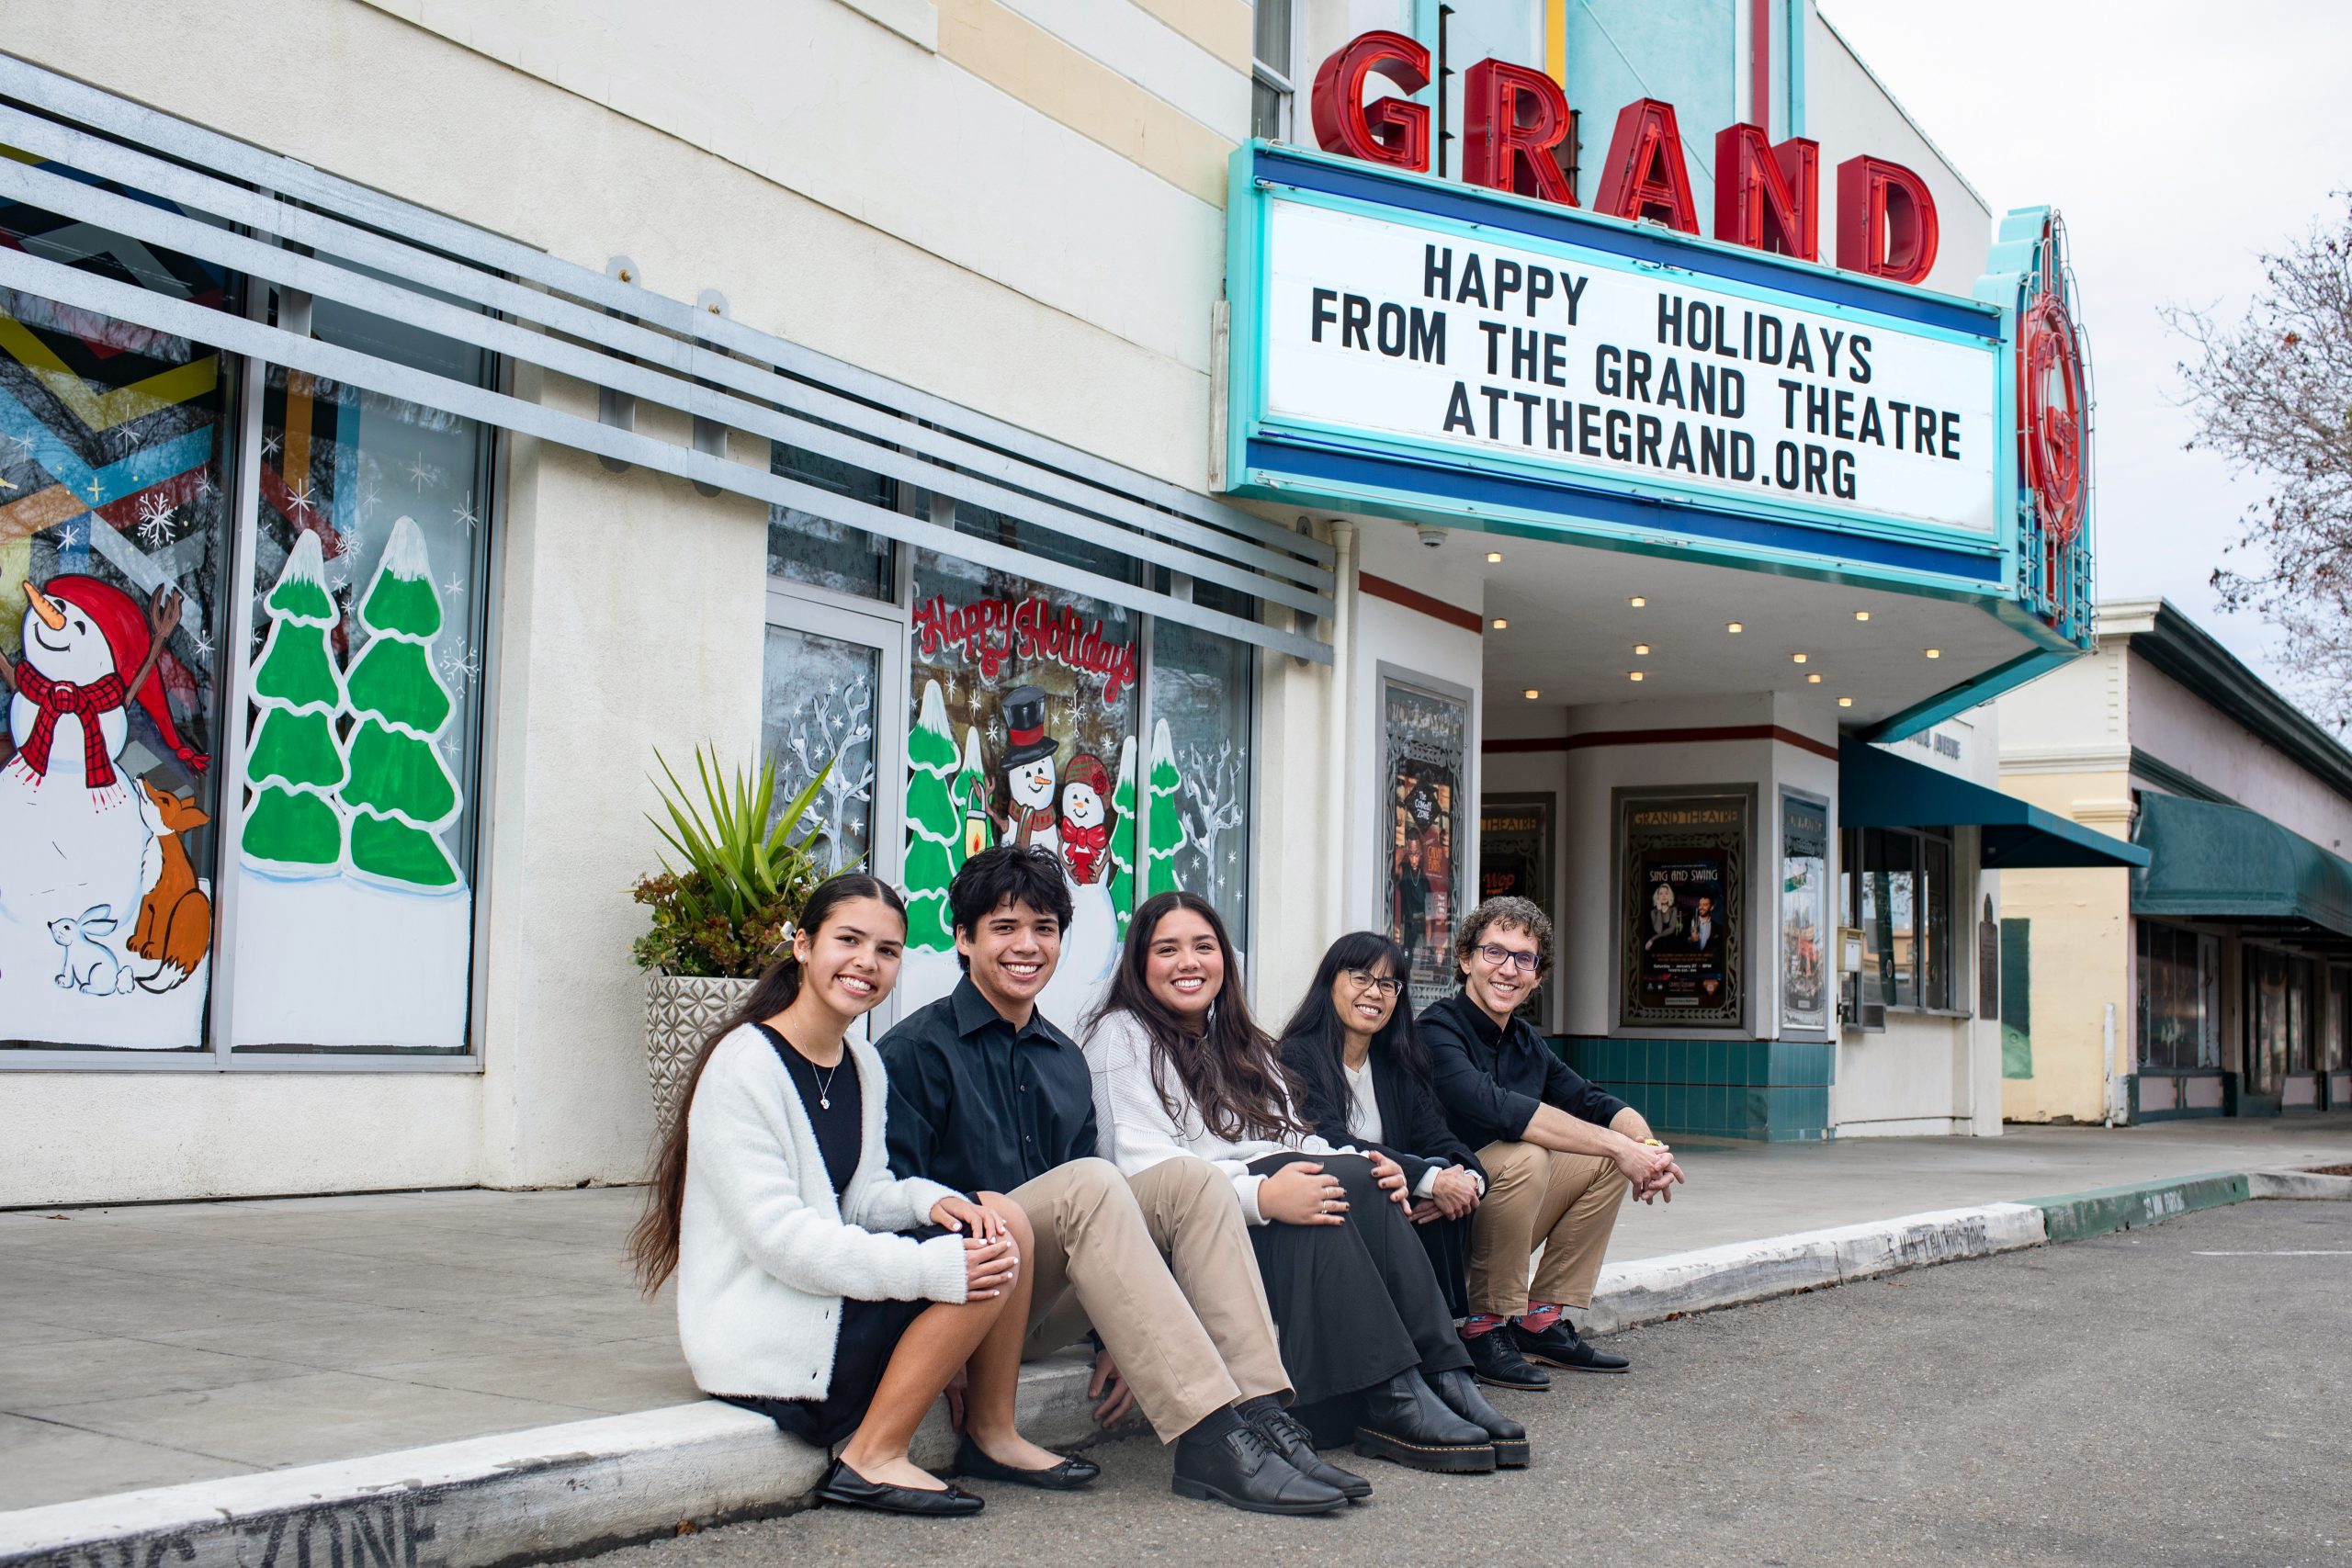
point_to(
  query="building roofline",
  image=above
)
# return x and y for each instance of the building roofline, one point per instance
(2178, 647)
(1896, 103)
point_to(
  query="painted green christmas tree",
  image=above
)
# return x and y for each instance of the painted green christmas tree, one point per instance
(400, 791)
(935, 825)
(295, 766)
(1122, 837)
(1166, 826)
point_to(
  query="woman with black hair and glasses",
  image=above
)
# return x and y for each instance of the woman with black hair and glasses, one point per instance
(1180, 1069)
(1364, 1079)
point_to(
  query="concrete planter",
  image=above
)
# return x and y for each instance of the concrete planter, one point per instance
(679, 1012)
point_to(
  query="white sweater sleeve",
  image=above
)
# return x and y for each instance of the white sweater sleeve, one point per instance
(1132, 1121)
(744, 1157)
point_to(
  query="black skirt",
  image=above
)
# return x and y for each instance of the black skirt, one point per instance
(864, 1341)
(1354, 1304)
(1447, 1243)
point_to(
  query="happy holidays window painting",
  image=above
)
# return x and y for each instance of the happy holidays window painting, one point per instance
(113, 540)
(1022, 731)
(355, 919)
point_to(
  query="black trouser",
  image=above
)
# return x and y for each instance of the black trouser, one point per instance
(1354, 1303)
(1447, 1243)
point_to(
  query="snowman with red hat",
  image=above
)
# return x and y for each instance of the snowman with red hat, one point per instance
(80, 834)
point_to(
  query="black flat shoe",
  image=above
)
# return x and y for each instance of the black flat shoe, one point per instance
(845, 1486)
(972, 1462)
(1559, 1345)
(1495, 1362)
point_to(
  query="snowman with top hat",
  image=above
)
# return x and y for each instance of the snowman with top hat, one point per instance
(80, 836)
(1028, 768)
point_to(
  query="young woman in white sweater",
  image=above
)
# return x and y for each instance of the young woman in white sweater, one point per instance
(813, 1286)
(1180, 1069)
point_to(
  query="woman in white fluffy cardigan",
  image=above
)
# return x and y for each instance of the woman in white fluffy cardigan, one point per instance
(814, 1286)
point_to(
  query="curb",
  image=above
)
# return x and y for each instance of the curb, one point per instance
(1683, 1282)
(2072, 1217)
(587, 1486)
(529, 1496)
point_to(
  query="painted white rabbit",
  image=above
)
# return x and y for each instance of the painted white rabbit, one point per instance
(90, 965)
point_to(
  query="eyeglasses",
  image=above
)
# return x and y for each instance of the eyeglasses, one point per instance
(1503, 957)
(1387, 984)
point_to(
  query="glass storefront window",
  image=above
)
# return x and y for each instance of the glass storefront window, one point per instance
(816, 706)
(115, 529)
(2179, 992)
(1902, 898)
(1022, 729)
(355, 912)
(1201, 690)
(822, 551)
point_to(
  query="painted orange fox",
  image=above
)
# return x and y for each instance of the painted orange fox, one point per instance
(176, 921)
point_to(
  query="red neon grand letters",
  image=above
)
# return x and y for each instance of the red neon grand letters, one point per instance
(1887, 220)
(1395, 131)
(1766, 197)
(1646, 177)
(1516, 116)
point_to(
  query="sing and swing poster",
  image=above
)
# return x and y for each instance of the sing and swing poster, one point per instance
(1682, 946)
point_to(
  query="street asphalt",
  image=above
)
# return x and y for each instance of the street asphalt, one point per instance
(2172, 1395)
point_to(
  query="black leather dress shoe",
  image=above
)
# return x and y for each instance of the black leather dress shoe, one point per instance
(972, 1461)
(845, 1486)
(1404, 1421)
(1497, 1362)
(1241, 1468)
(1558, 1346)
(1296, 1443)
(1460, 1391)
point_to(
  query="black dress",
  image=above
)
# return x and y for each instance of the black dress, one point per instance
(1413, 1133)
(869, 1331)
(1354, 1304)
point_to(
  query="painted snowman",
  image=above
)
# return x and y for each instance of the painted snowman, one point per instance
(1086, 818)
(1028, 765)
(82, 837)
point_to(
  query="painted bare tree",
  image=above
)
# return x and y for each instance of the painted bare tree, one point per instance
(837, 724)
(1213, 786)
(2272, 394)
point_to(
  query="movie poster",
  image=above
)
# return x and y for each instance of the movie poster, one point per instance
(1684, 878)
(1515, 861)
(1425, 758)
(1804, 934)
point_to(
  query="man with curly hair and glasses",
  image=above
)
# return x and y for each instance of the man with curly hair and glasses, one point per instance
(1559, 1154)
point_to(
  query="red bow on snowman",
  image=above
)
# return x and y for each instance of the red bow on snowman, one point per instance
(74, 609)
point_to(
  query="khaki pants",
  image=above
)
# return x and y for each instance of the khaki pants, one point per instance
(1567, 1204)
(1163, 1270)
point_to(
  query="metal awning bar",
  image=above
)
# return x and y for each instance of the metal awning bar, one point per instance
(274, 345)
(669, 352)
(326, 280)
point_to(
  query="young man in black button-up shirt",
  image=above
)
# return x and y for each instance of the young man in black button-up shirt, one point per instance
(988, 1095)
(1559, 1154)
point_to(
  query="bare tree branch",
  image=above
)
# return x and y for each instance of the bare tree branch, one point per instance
(2272, 394)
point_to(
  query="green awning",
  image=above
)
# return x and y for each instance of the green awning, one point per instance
(1878, 789)
(2213, 860)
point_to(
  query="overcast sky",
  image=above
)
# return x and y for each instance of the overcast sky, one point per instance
(2179, 141)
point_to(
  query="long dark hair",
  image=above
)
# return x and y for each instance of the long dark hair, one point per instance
(653, 1243)
(1235, 1076)
(1317, 1021)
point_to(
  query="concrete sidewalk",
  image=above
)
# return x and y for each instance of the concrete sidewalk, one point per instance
(145, 1346)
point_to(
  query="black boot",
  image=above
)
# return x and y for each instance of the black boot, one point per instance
(1296, 1443)
(1496, 1360)
(1226, 1458)
(1404, 1421)
(1460, 1391)
(1558, 1346)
